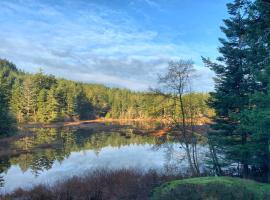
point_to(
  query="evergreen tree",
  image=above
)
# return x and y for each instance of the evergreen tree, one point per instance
(6, 120)
(83, 106)
(29, 100)
(16, 102)
(41, 81)
(42, 112)
(257, 119)
(7, 76)
(233, 86)
(53, 108)
(8, 72)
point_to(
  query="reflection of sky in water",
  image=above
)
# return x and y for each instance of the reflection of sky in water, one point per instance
(132, 156)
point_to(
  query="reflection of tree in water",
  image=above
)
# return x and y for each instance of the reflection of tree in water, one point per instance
(42, 137)
(2, 182)
(4, 166)
(48, 145)
(183, 156)
(172, 158)
(42, 162)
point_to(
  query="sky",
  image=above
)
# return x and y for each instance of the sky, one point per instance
(119, 43)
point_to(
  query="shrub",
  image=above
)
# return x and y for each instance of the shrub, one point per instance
(99, 185)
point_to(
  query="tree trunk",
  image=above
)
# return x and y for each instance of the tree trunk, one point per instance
(190, 160)
(245, 171)
(216, 164)
(268, 161)
(183, 116)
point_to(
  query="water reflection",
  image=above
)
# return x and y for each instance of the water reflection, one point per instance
(188, 153)
(52, 154)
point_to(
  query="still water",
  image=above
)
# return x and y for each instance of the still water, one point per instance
(53, 154)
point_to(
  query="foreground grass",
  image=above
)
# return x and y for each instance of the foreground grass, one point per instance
(218, 188)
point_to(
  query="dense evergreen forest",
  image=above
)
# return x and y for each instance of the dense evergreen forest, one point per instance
(43, 98)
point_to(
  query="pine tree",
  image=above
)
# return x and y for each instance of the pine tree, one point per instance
(6, 120)
(29, 100)
(8, 73)
(233, 85)
(16, 102)
(42, 112)
(257, 119)
(82, 107)
(53, 108)
(71, 102)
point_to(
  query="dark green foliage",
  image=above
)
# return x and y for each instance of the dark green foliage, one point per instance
(241, 98)
(257, 119)
(7, 76)
(6, 120)
(82, 107)
(8, 72)
(233, 86)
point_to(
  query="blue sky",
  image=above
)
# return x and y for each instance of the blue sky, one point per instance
(122, 43)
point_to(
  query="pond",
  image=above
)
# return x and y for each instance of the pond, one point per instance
(49, 155)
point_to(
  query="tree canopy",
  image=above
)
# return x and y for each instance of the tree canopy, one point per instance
(44, 99)
(241, 97)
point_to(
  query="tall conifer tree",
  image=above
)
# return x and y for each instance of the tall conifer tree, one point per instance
(233, 84)
(257, 119)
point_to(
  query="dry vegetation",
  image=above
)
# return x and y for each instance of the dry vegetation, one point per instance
(99, 185)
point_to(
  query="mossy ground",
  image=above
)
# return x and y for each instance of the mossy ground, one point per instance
(212, 188)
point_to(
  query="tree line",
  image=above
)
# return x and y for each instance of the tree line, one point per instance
(42, 98)
(241, 128)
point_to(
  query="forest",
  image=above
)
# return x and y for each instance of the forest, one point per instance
(27, 98)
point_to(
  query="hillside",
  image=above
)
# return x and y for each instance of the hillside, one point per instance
(45, 98)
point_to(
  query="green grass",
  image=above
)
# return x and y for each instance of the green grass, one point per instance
(212, 188)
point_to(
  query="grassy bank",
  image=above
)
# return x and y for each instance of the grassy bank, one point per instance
(212, 188)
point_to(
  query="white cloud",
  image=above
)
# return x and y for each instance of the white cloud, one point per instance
(93, 44)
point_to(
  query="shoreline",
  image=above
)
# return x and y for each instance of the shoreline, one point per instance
(200, 121)
(98, 125)
(81, 122)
